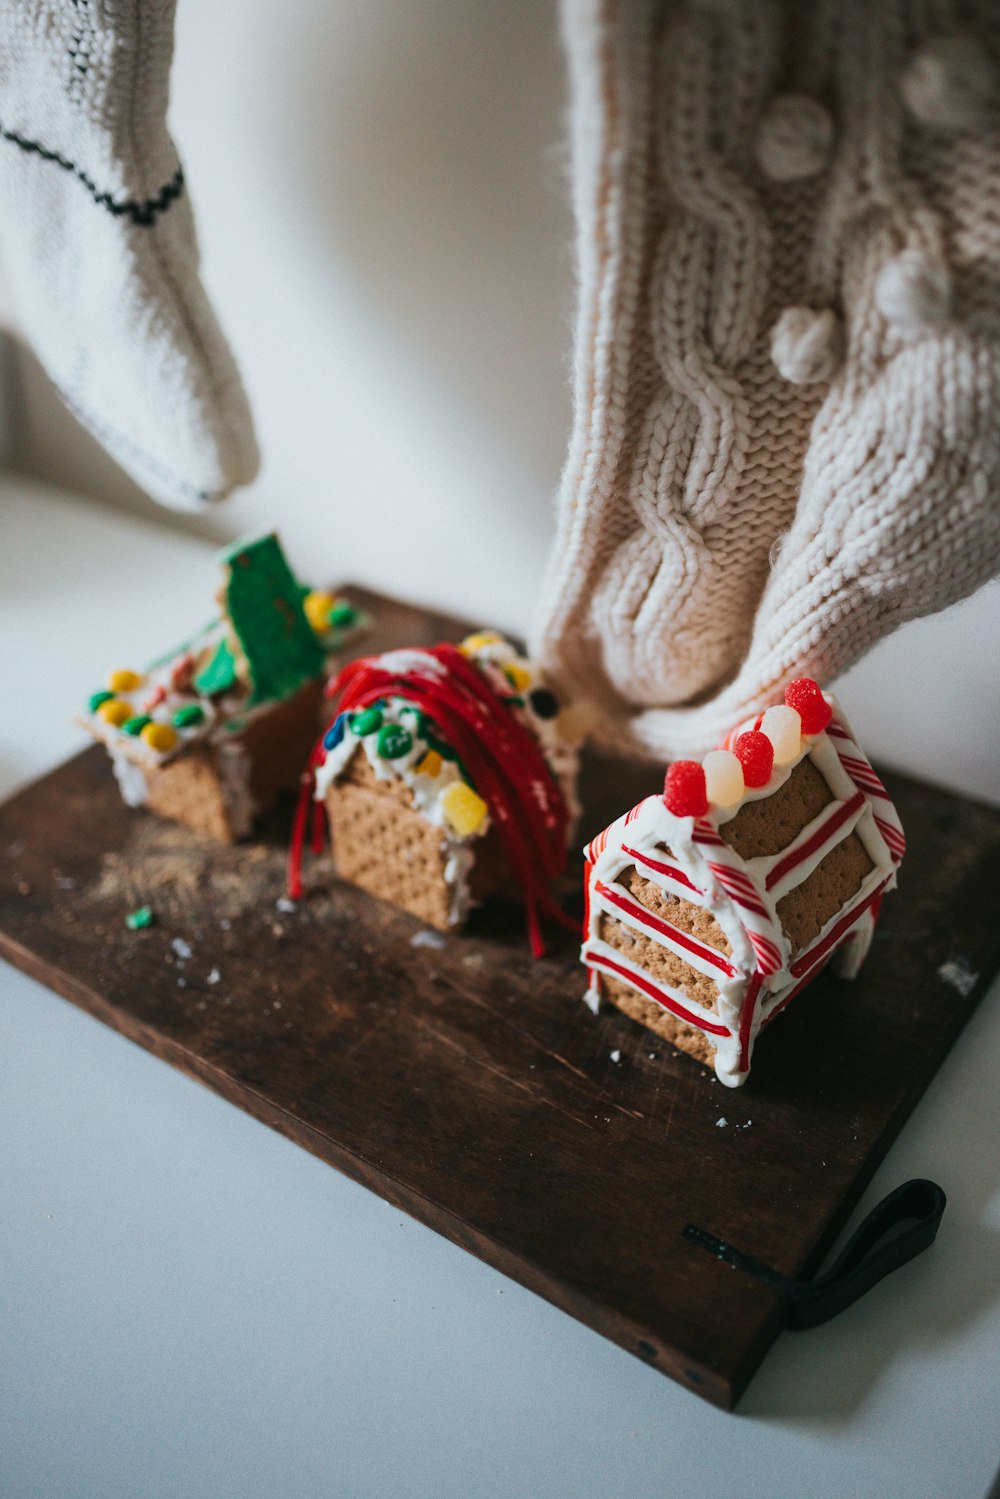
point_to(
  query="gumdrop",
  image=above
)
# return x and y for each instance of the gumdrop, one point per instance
(805, 696)
(684, 789)
(755, 753)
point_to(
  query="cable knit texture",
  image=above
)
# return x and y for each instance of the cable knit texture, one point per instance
(787, 376)
(99, 247)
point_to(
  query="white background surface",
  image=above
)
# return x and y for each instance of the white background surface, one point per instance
(189, 1305)
(192, 1306)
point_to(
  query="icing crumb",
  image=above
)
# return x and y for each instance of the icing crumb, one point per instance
(959, 975)
(181, 948)
(427, 937)
(652, 1056)
(721, 1123)
(616, 1056)
(213, 977)
(285, 905)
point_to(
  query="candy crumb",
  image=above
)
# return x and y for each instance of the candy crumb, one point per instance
(139, 919)
(213, 977)
(427, 937)
(616, 1056)
(721, 1123)
(285, 905)
(182, 949)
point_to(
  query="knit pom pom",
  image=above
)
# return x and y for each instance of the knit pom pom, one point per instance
(755, 753)
(948, 81)
(794, 138)
(913, 292)
(805, 345)
(684, 789)
(806, 697)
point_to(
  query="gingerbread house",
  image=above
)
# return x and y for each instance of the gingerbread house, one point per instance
(211, 732)
(447, 773)
(711, 906)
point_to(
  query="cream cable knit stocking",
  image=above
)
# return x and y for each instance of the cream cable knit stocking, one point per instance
(99, 247)
(787, 431)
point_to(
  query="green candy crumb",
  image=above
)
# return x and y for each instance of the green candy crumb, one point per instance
(138, 920)
(394, 741)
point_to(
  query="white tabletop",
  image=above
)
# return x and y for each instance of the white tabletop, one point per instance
(192, 1306)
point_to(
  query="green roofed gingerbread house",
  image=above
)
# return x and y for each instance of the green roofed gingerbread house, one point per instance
(209, 734)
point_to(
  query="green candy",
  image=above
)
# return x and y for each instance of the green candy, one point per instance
(342, 616)
(137, 921)
(135, 726)
(96, 699)
(189, 716)
(394, 741)
(366, 722)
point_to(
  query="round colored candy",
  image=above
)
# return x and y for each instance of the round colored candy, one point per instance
(464, 808)
(135, 726)
(394, 741)
(159, 736)
(342, 616)
(806, 697)
(335, 732)
(115, 712)
(96, 699)
(755, 753)
(783, 727)
(430, 764)
(366, 722)
(189, 716)
(478, 642)
(317, 607)
(723, 778)
(543, 702)
(123, 680)
(518, 676)
(684, 789)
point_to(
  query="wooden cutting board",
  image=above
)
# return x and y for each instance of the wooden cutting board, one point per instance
(470, 1086)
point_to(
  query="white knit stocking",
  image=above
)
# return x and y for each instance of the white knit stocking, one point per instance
(98, 244)
(787, 430)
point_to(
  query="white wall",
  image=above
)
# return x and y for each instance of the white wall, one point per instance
(385, 229)
(381, 197)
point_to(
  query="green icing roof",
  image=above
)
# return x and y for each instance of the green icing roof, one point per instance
(264, 604)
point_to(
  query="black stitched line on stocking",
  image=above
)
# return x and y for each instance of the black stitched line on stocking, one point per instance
(140, 213)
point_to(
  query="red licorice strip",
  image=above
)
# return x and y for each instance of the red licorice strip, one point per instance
(503, 760)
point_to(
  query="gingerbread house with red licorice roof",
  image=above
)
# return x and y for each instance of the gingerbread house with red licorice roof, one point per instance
(711, 906)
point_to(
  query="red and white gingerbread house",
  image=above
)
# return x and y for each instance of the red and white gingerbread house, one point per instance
(711, 906)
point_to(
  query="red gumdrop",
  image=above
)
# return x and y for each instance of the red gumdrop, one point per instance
(805, 697)
(755, 752)
(684, 789)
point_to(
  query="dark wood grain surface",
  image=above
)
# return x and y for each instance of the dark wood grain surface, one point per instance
(471, 1087)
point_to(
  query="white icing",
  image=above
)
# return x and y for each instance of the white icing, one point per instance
(131, 778)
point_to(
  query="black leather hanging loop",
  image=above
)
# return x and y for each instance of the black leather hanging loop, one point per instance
(901, 1226)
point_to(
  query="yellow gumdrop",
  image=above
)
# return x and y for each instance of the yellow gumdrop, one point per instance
(159, 736)
(317, 606)
(115, 712)
(518, 676)
(123, 680)
(464, 808)
(430, 764)
(478, 642)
